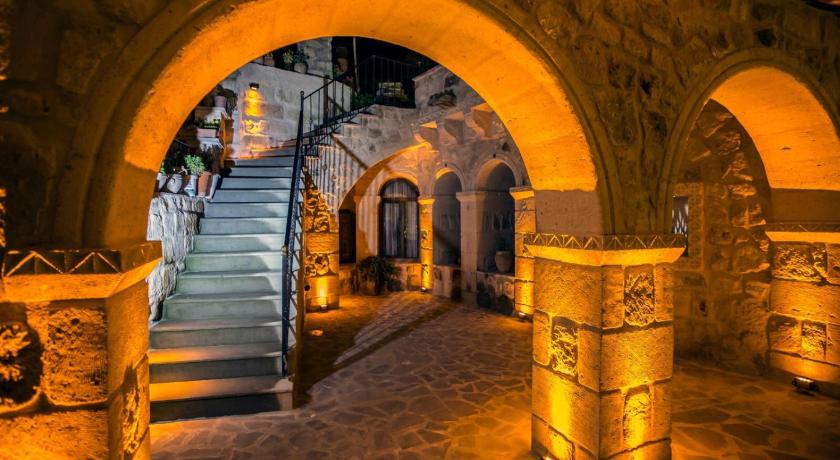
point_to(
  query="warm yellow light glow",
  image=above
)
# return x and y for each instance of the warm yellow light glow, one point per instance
(253, 103)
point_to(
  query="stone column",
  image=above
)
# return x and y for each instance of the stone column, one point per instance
(427, 253)
(73, 340)
(320, 252)
(525, 222)
(472, 209)
(603, 344)
(804, 326)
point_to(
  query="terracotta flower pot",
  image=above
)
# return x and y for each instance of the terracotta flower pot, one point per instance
(504, 261)
(219, 101)
(204, 181)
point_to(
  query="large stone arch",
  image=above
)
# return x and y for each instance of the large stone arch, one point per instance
(786, 112)
(488, 50)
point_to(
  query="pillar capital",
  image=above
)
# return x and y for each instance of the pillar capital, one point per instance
(804, 232)
(38, 274)
(426, 200)
(522, 193)
(471, 196)
(601, 250)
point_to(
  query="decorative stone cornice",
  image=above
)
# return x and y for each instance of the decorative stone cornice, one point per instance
(599, 250)
(804, 232)
(35, 275)
(30, 261)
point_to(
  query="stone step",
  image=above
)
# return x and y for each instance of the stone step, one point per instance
(255, 183)
(233, 261)
(224, 282)
(216, 306)
(251, 196)
(241, 226)
(283, 160)
(261, 171)
(246, 210)
(221, 362)
(237, 243)
(219, 397)
(215, 332)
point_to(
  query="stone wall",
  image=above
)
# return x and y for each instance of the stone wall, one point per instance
(320, 250)
(173, 220)
(268, 115)
(804, 324)
(723, 281)
(319, 56)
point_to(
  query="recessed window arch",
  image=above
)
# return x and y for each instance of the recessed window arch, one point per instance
(399, 220)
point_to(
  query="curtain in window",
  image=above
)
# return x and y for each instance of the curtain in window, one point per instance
(399, 227)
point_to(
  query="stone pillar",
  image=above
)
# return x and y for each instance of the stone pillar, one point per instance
(427, 253)
(603, 344)
(73, 340)
(525, 222)
(320, 252)
(472, 208)
(804, 327)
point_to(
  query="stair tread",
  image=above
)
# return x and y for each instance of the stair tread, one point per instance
(233, 253)
(230, 273)
(218, 388)
(229, 297)
(215, 353)
(170, 325)
(237, 235)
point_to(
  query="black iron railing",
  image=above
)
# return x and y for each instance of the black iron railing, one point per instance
(377, 80)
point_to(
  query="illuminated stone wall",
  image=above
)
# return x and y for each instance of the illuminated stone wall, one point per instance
(723, 281)
(804, 325)
(320, 251)
(603, 346)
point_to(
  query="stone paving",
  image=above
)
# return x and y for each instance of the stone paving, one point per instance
(412, 376)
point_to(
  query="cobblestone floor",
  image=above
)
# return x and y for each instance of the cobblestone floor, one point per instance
(421, 378)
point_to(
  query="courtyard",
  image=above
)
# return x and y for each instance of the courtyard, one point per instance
(420, 377)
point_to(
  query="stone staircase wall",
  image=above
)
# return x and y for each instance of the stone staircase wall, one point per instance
(173, 220)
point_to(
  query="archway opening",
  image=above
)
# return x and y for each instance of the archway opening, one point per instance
(497, 227)
(447, 220)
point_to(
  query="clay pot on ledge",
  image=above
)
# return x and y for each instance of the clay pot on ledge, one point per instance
(301, 67)
(504, 261)
(191, 187)
(161, 181)
(173, 185)
(219, 101)
(205, 179)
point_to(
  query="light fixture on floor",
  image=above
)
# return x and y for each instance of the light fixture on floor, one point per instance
(522, 315)
(804, 384)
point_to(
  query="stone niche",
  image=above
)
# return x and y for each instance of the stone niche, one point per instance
(722, 282)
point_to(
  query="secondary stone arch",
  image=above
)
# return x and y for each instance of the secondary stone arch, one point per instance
(784, 110)
(486, 49)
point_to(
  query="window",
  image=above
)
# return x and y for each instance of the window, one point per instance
(679, 218)
(346, 237)
(399, 221)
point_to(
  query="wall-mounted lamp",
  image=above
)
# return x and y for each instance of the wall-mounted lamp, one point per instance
(804, 385)
(253, 85)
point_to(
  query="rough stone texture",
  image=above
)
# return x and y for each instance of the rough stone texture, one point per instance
(799, 262)
(556, 399)
(74, 341)
(320, 252)
(806, 300)
(784, 334)
(20, 366)
(318, 56)
(638, 295)
(542, 337)
(613, 297)
(563, 351)
(59, 435)
(637, 416)
(721, 303)
(173, 220)
(636, 356)
(813, 340)
(569, 291)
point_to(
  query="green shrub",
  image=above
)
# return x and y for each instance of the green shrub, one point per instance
(195, 164)
(378, 270)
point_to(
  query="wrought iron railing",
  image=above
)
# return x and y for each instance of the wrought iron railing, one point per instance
(377, 80)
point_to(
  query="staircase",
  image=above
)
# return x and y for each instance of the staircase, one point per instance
(218, 348)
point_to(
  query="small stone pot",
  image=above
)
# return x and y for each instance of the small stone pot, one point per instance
(173, 185)
(219, 101)
(192, 185)
(504, 261)
(161, 181)
(301, 67)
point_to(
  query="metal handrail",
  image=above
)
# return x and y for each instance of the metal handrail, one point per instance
(328, 108)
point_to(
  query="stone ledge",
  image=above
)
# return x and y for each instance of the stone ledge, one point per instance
(31, 261)
(600, 250)
(805, 232)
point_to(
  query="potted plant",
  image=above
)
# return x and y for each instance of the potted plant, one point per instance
(504, 255)
(300, 64)
(208, 128)
(195, 165)
(173, 185)
(220, 101)
(161, 177)
(377, 273)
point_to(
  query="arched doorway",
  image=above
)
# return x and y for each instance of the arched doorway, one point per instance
(497, 227)
(447, 221)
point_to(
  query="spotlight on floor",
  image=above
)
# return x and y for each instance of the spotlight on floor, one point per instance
(324, 307)
(522, 315)
(423, 289)
(804, 385)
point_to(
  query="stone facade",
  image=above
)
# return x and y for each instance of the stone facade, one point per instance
(173, 220)
(723, 280)
(320, 251)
